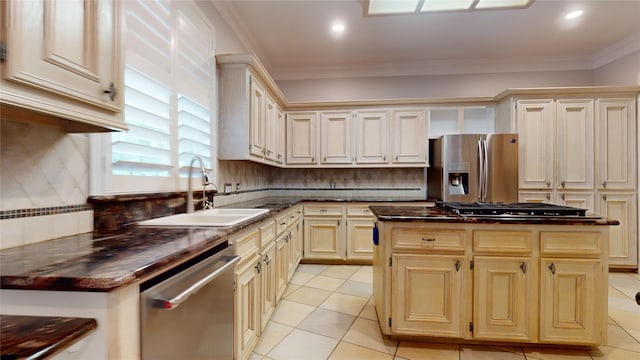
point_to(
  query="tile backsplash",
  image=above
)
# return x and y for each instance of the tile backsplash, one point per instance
(44, 175)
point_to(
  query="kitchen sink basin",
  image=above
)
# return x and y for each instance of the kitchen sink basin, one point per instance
(210, 217)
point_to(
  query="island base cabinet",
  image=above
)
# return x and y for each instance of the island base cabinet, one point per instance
(570, 302)
(427, 295)
(505, 299)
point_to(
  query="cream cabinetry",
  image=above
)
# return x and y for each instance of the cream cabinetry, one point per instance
(409, 136)
(324, 232)
(335, 137)
(372, 132)
(576, 149)
(492, 282)
(338, 232)
(301, 138)
(429, 295)
(623, 239)
(251, 121)
(267, 272)
(63, 61)
(616, 144)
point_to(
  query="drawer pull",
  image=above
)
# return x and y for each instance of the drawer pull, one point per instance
(258, 267)
(266, 259)
(458, 265)
(523, 267)
(552, 267)
(428, 239)
(283, 223)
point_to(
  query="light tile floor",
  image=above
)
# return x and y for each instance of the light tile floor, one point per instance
(327, 312)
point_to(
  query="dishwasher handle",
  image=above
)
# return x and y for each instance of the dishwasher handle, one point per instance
(174, 301)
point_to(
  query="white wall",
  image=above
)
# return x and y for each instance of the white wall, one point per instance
(624, 71)
(430, 86)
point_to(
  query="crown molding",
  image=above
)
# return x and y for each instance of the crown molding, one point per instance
(617, 51)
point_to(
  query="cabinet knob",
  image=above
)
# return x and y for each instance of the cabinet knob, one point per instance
(604, 184)
(458, 265)
(258, 267)
(562, 197)
(604, 197)
(112, 92)
(552, 267)
(548, 183)
(266, 259)
(523, 267)
(548, 196)
(562, 184)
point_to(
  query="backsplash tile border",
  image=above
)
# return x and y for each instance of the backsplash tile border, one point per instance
(43, 211)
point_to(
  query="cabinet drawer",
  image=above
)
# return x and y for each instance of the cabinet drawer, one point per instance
(428, 239)
(570, 243)
(324, 210)
(247, 244)
(297, 213)
(359, 210)
(282, 223)
(494, 241)
(267, 232)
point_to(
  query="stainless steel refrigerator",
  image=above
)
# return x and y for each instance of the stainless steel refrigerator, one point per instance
(474, 168)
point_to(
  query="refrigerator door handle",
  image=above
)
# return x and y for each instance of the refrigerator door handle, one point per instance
(480, 170)
(485, 170)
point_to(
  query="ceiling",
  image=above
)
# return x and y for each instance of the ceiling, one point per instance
(293, 40)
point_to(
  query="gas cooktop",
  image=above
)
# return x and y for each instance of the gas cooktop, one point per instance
(512, 209)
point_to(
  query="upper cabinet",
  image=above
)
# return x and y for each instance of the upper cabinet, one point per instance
(301, 139)
(336, 146)
(251, 120)
(63, 61)
(372, 134)
(616, 145)
(409, 136)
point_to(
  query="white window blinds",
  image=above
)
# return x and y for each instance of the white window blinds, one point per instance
(168, 76)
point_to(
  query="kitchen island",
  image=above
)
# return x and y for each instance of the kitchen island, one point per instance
(527, 279)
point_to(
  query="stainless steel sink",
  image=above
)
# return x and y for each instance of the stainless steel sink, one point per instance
(211, 217)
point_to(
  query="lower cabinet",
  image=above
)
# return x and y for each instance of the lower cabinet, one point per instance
(427, 295)
(570, 301)
(501, 283)
(268, 283)
(282, 263)
(504, 298)
(247, 307)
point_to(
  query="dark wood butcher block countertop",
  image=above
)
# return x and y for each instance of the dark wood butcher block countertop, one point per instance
(40, 337)
(438, 215)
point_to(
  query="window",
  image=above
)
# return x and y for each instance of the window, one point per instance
(169, 77)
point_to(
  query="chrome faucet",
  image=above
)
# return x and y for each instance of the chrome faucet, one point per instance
(205, 182)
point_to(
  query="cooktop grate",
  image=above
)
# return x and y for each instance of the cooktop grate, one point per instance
(519, 209)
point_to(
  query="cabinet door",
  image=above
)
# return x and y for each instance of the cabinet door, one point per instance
(280, 135)
(360, 238)
(623, 239)
(335, 137)
(301, 138)
(427, 295)
(574, 144)
(535, 120)
(546, 197)
(271, 129)
(324, 239)
(268, 283)
(505, 298)
(372, 129)
(69, 48)
(616, 155)
(247, 314)
(571, 294)
(282, 264)
(582, 200)
(258, 128)
(409, 136)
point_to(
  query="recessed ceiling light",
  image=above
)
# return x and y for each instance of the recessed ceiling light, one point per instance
(574, 14)
(337, 28)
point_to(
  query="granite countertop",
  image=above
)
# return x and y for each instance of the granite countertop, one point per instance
(438, 215)
(98, 263)
(39, 337)
(85, 263)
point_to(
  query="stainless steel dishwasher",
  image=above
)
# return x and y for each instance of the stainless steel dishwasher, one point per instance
(187, 313)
